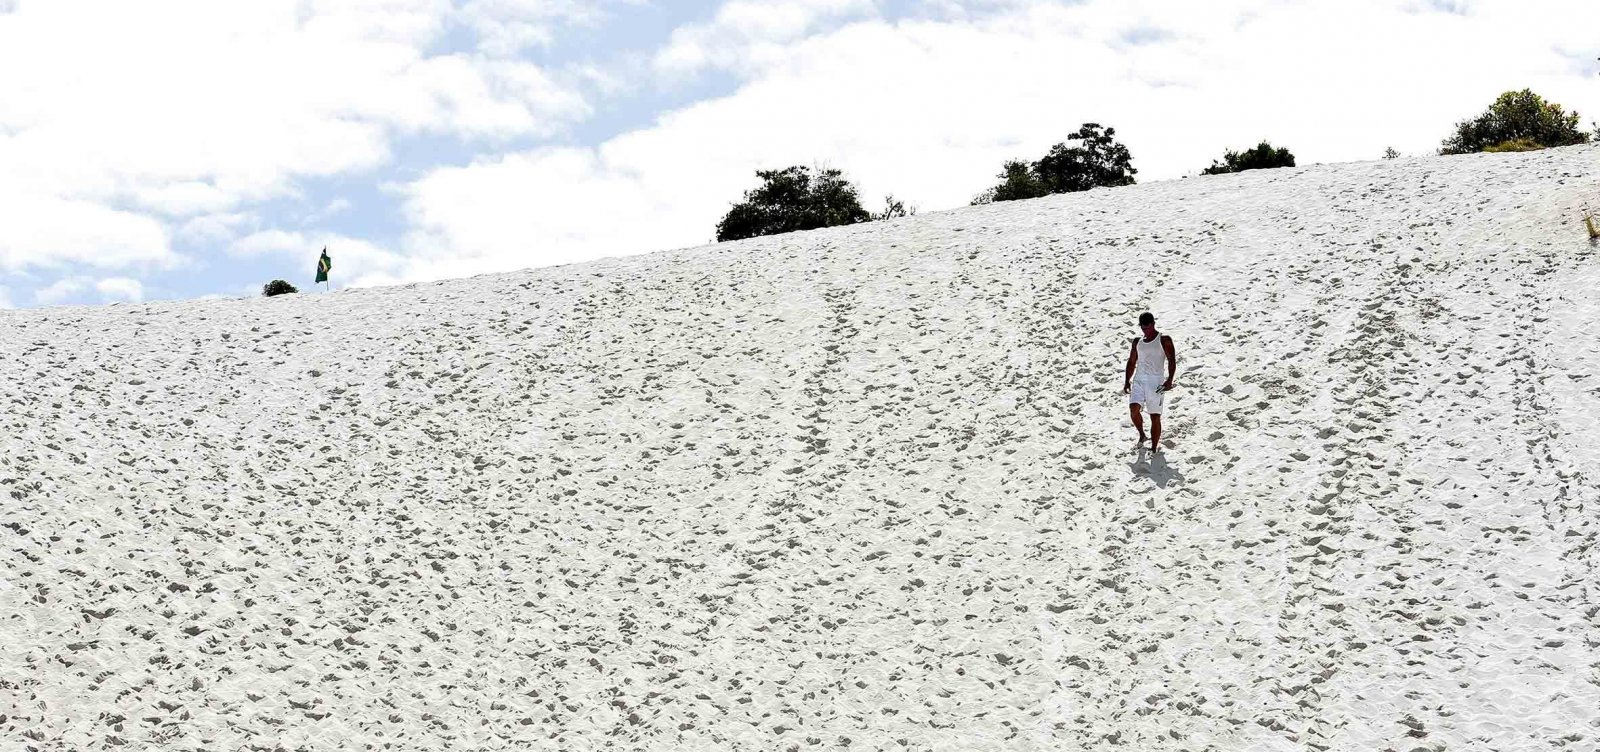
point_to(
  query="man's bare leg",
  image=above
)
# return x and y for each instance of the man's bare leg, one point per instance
(1155, 432)
(1138, 419)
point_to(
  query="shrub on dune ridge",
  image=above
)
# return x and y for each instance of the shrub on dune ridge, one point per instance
(1017, 181)
(1262, 157)
(894, 208)
(277, 287)
(790, 199)
(1096, 160)
(1515, 117)
(1519, 144)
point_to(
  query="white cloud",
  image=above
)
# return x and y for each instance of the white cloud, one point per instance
(120, 288)
(744, 34)
(109, 289)
(184, 198)
(118, 119)
(5, 299)
(360, 262)
(54, 232)
(929, 109)
(546, 207)
(60, 290)
(215, 227)
(508, 26)
(269, 241)
(127, 127)
(333, 209)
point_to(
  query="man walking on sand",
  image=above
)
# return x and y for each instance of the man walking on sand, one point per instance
(1151, 365)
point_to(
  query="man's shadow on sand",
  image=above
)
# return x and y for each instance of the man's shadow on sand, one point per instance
(1154, 465)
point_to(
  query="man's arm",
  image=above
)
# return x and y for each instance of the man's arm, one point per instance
(1172, 361)
(1133, 360)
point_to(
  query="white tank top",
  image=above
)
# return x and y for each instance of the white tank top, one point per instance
(1152, 359)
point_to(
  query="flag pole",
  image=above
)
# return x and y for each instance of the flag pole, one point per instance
(324, 265)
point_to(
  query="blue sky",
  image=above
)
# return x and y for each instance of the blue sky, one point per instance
(181, 148)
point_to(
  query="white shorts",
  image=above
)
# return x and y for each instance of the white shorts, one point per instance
(1146, 392)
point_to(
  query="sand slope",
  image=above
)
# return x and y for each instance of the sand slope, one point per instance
(866, 487)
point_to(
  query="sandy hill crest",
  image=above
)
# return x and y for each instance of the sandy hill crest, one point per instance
(867, 487)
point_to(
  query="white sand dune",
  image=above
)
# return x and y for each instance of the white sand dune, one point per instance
(868, 488)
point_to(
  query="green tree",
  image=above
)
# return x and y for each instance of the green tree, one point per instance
(790, 199)
(1017, 181)
(277, 287)
(1516, 116)
(894, 208)
(1090, 158)
(1262, 157)
(1095, 161)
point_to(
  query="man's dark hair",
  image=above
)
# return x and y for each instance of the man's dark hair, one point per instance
(1147, 318)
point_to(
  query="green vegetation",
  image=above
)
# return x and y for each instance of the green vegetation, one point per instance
(1516, 121)
(894, 208)
(277, 287)
(791, 199)
(1262, 157)
(1517, 144)
(1095, 160)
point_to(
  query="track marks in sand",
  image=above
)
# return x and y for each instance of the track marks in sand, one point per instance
(552, 509)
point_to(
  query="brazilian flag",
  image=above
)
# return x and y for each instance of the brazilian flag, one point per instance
(324, 264)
